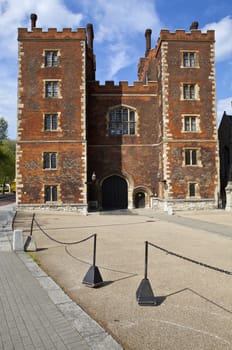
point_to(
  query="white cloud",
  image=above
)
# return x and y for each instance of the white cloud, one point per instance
(117, 60)
(13, 15)
(16, 14)
(121, 19)
(118, 25)
(224, 105)
(223, 30)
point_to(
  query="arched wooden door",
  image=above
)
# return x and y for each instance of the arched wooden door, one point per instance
(140, 200)
(114, 193)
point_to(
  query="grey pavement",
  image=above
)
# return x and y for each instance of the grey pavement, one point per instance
(194, 304)
(200, 223)
(35, 312)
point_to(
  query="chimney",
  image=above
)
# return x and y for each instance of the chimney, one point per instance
(90, 36)
(194, 25)
(148, 40)
(33, 20)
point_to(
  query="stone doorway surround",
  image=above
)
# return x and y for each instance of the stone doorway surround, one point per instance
(228, 190)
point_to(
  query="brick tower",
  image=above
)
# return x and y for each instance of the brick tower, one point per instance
(183, 65)
(51, 147)
(152, 144)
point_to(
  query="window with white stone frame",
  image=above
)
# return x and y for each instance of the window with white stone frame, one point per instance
(49, 160)
(189, 59)
(190, 123)
(51, 58)
(193, 190)
(121, 121)
(189, 91)
(191, 157)
(50, 193)
(51, 121)
(52, 89)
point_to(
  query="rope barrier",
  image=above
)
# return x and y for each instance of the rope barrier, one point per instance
(93, 276)
(151, 244)
(60, 242)
(191, 260)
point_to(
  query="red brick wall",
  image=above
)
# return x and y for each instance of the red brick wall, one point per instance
(83, 143)
(206, 139)
(69, 140)
(163, 63)
(135, 156)
(68, 175)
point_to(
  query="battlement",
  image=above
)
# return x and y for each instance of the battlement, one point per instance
(181, 34)
(51, 33)
(123, 87)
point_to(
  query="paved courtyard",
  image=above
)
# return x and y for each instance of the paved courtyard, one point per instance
(194, 302)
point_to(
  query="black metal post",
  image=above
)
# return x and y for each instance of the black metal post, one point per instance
(144, 293)
(146, 259)
(32, 222)
(94, 249)
(29, 238)
(93, 276)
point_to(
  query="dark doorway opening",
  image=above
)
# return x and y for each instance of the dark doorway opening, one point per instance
(140, 200)
(114, 193)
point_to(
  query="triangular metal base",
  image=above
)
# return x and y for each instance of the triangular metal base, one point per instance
(30, 245)
(144, 293)
(27, 243)
(93, 277)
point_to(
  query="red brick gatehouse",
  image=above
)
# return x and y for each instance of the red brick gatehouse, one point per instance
(85, 145)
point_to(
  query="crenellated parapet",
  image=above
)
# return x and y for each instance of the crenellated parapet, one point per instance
(51, 34)
(180, 34)
(123, 87)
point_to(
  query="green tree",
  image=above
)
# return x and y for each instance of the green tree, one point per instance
(3, 129)
(7, 161)
(7, 154)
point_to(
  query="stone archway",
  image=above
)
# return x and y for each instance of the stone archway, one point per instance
(141, 197)
(139, 200)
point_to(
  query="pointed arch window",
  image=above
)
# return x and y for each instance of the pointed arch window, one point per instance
(122, 121)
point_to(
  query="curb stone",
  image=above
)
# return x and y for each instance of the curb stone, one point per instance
(94, 335)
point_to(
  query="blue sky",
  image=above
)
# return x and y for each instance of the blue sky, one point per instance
(119, 42)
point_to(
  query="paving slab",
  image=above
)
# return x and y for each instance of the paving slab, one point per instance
(28, 317)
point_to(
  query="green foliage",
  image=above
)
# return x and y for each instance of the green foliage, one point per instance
(3, 129)
(7, 161)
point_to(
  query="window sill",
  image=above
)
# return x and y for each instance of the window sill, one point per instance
(47, 169)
